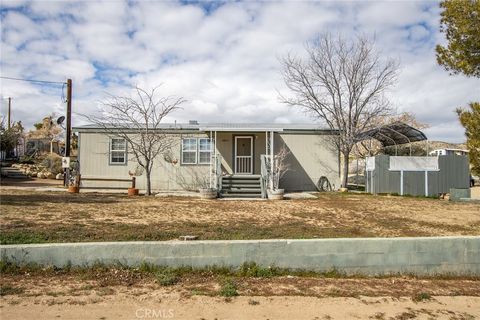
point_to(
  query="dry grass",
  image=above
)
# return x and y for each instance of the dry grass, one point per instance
(30, 217)
(104, 281)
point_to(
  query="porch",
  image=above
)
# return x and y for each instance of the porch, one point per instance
(239, 165)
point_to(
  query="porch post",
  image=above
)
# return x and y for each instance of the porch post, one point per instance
(272, 159)
(210, 165)
(266, 143)
(216, 160)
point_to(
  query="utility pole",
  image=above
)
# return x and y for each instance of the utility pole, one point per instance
(9, 112)
(66, 172)
(69, 118)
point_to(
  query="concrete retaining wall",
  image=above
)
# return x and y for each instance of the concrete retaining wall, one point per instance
(422, 256)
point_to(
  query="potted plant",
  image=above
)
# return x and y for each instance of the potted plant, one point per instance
(133, 191)
(280, 167)
(73, 189)
(206, 191)
(74, 182)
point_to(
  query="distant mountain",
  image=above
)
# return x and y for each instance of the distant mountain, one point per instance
(433, 145)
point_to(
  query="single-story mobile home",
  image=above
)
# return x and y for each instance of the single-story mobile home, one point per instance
(232, 152)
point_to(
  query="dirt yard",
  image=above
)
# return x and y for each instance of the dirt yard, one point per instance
(109, 293)
(127, 294)
(53, 216)
(34, 217)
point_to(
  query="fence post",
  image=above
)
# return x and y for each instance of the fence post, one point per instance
(426, 183)
(401, 182)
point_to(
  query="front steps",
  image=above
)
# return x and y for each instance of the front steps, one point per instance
(14, 173)
(241, 186)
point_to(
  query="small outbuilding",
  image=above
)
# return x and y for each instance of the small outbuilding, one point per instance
(416, 176)
(408, 175)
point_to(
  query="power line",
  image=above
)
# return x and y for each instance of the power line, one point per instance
(32, 80)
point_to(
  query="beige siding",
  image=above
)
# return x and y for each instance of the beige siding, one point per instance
(94, 163)
(311, 157)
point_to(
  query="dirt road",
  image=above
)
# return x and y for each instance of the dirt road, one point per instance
(174, 306)
(122, 294)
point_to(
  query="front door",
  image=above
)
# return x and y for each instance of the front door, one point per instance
(244, 154)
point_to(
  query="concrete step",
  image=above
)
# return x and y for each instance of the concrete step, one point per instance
(238, 180)
(242, 190)
(18, 177)
(241, 195)
(13, 173)
(245, 177)
(235, 185)
(241, 186)
(241, 182)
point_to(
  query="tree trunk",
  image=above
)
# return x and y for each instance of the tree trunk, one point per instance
(149, 183)
(346, 156)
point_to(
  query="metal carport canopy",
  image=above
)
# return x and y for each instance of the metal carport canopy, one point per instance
(393, 134)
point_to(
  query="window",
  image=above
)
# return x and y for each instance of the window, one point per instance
(196, 151)
(118, 151)
(204, 150)
(189, 151)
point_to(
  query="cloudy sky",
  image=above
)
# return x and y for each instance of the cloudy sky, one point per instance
(221, 57)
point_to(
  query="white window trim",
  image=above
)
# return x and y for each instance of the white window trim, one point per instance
(204, 151)
(197, 151)
(117, 150)
(194, 151)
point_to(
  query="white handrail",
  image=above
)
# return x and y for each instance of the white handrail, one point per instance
(244, 164)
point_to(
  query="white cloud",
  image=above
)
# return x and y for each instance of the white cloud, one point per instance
(224, 61)
(418, 32)
(203, 107)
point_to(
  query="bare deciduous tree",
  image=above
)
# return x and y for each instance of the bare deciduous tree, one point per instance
(137, 120)
(280, 166)
(341, 83)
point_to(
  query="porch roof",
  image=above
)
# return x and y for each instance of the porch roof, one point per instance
(226, 127)
(249, 127)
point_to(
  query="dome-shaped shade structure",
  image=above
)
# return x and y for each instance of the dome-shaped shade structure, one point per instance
(394, 134)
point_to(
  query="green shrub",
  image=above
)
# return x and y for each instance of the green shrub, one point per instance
(228, 289)
(53, 162)
(147, 267)
(26, 160)
(253, 270)
(8, 290)
(333, 273)
(167, 278)
(421, 296)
